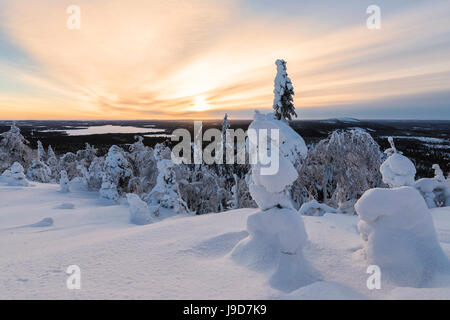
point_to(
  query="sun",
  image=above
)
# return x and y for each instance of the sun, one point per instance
(200, 104)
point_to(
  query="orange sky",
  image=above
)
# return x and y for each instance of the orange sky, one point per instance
(141, 59)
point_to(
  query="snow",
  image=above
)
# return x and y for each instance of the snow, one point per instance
(399, 236)
(181, 257)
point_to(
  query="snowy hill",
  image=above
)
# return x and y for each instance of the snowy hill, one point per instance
(181, 257)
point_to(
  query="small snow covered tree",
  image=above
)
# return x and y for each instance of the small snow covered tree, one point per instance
(166, 192)
(41, 154)
(397, 170)
(39, 171)
(95, 173)
(64, 182)
(144, 167)
(17, 176)
(284, 92)
(139, 211)
(434, 190)
(108, 190)
(13, 148)
(52, 162)
(118, 168)
(69, 163)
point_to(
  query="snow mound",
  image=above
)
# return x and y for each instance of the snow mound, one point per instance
(65, 206)
(399, 236)
(276, 239)
(46, 222)
(139, 211)
(314, 208)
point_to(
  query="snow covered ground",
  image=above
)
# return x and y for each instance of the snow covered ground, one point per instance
(180, 257)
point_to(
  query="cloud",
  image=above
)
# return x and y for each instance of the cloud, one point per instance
(143, 58)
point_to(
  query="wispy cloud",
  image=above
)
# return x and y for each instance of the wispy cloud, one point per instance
(145, 59)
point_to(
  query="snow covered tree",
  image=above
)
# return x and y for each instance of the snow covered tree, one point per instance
(276, 233)
(64, 182)
(399, 236)
(41, 154)
(283, 91)
(13, 148)
(52, 162)
(15, 176)
(108, 190)
(39, 171)
(342, 167)
(68, 162)
(166, 192)
(118, 168)
(95, 173)
(139, 211)
(397, 170)
(434, 190)
(144, 167)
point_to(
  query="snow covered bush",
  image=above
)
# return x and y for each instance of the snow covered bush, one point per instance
(13, 148)
(276, 233)
(139, 211)
(339, 169)
(64, 182)
(314, 208)
(399, 236)
(15, 176)
(397, 170)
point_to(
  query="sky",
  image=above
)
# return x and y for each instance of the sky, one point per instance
(199, 59)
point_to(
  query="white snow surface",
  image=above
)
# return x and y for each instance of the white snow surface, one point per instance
(181, 257)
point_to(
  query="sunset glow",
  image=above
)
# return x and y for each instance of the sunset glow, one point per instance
(201, 58)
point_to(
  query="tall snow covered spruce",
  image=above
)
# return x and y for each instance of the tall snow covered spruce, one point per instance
(283, 94)
(276, 233)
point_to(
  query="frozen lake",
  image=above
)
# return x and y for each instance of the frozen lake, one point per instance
(107, 129)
